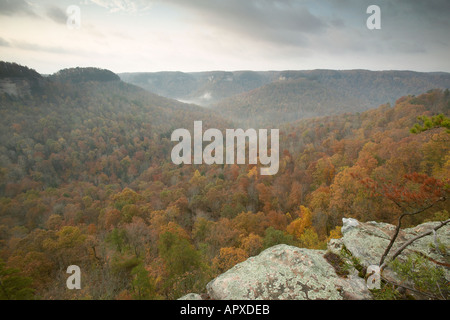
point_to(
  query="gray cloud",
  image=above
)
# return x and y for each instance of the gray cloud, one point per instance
(4, 43)
(430, 13)
(303, 22)
(14, 7)
(37, 47)
(40, 48)
(272, 20)
(129, 6)
(409, 27)
(56, 14)
(279, 21)
(433, 11)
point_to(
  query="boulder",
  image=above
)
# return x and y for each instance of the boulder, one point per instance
(286, 272)
(191, 296)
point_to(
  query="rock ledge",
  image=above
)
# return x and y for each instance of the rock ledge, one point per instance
(285, 272)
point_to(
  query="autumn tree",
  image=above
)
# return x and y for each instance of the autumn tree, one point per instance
(416, 194)
(252, 244)
(299, 225)
(67, 247)
(138, 235)
(228, 257)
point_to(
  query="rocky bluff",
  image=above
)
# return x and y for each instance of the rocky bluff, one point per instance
(287, 272)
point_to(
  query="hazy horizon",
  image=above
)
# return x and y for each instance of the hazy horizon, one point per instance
(233, 71)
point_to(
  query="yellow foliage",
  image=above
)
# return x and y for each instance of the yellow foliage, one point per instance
(253, 172)
(197, 178)
(252, 244)
(298, 226)
(335, 233)
(174, 228)
(228, 258)
(309, 239)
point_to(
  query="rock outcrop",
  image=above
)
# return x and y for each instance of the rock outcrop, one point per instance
(368, 241)
(287, 272)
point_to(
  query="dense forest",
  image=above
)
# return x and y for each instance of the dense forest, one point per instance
(86, 179)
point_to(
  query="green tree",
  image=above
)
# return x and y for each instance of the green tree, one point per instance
(178, 253)
(13, 286)
(117, 238)
(438, 121)
(273, 237)
(68, 246)
(144, 287)
(426, 276)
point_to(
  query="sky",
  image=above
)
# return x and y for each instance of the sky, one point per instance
(206, 35)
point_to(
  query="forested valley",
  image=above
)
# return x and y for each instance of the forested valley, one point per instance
(86, 179)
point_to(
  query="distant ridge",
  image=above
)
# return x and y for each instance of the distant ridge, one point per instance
(78, 74)
(14, 70)
(274, 97)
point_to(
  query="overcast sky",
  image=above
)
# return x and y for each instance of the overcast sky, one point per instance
(201, 35)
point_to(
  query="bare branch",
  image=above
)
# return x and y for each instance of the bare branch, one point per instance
(407, 243)
(397, 229)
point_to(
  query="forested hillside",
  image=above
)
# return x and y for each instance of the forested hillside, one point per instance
(305, 94)
(285, 101)
(257, 99)
(86, 178)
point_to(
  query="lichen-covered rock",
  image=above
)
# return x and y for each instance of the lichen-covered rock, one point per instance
(285, 272)
(368, 241)
(347, 224)
(191, 296)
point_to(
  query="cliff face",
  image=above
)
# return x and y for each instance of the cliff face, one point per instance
(19, 81)
(15, 87)
(286, 272)
(21, 87)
